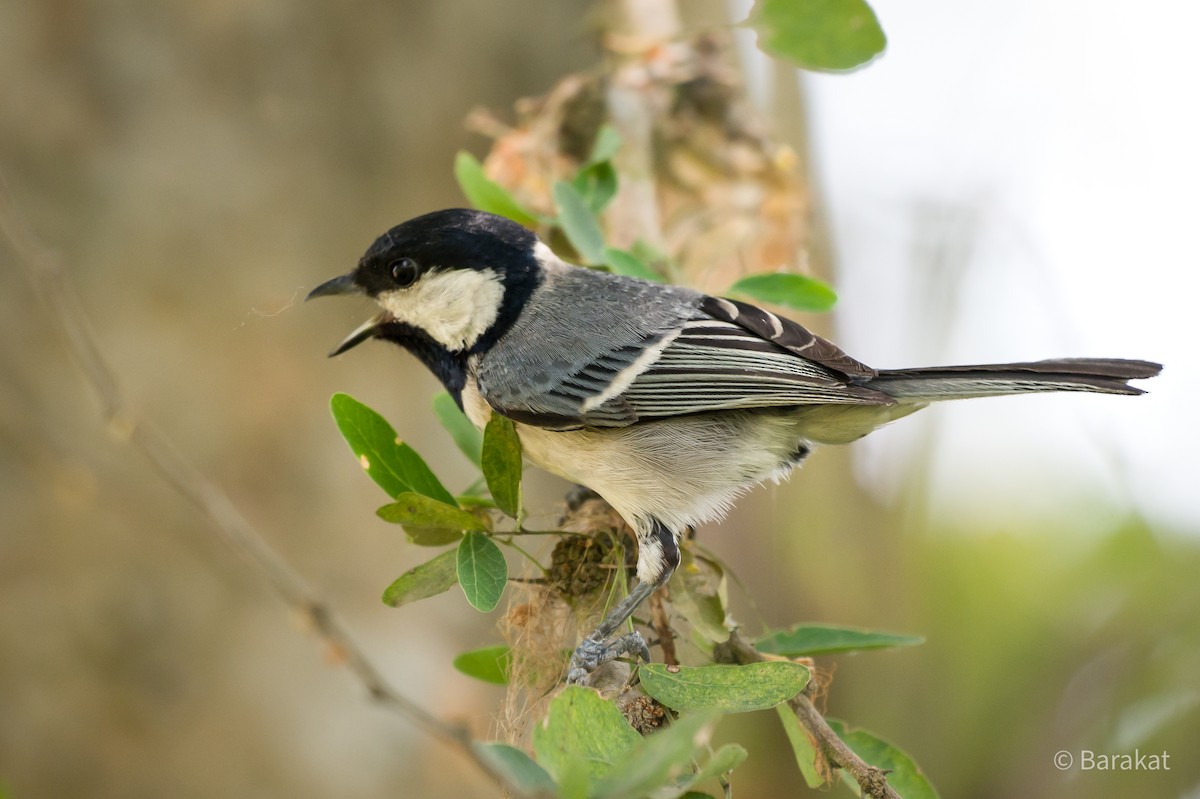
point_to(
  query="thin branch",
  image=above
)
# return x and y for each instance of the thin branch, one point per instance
(662, 628)
(56, 290)
(871, 779)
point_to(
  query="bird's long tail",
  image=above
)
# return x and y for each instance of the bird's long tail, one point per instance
(931, 384)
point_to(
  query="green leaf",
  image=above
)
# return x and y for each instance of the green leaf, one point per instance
(906, 777)
(482, 571)
(580, 726)
(647, 253)
(700, 593)
(732, 689)
(489, 664)
(466, 435)
(802, 747)
(809, 640)
(658, 757)
(427, 522)
(783, 288)
(501, 460)
(395, 466)
(579, 223)
(521, 772)
(824, 35)
(486, 194)
(658, 760)
(597, 185)
(475, 502)
(607, 142)
(623, 262)
(429, 579)
(724, 760)
(575, 779)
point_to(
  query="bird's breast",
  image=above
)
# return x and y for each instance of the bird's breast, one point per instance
(682, 472)
(473, 403)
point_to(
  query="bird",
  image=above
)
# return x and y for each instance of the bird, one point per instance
(667, 402)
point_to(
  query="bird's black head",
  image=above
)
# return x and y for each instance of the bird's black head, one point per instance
(453, 239)
(457, 277)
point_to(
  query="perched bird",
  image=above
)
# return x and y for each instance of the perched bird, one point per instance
(665, 401)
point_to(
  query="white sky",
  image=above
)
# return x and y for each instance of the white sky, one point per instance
(1048, 153)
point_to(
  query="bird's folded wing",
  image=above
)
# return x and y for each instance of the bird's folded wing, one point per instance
(720, 357)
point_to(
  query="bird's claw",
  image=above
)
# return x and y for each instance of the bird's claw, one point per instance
(592, 653)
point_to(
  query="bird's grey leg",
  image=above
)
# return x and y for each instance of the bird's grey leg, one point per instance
(599, 647)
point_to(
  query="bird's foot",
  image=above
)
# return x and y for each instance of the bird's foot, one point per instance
(592, 653)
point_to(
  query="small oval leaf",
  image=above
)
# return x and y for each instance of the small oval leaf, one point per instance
(427, 522)
(783, 288)
(520, 770)
(700, 594)
(802, 747)
(395, 466)
(432, 536)
(579, 223)
(597, 184)
(607, 142)
(731, 689)
(824, 35)
(659, 759)
(482, 571)
(429, 579)
(489, 664)
(466, 435)
(904, 775)
(473, 502)
(723, 761)
(501, 461)
(809, 640)
(582, 727)
(486, 194)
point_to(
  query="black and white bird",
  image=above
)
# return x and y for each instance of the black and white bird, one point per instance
(665, 401)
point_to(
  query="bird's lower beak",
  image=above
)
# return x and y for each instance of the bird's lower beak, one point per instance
(366, 330)
(342, 284)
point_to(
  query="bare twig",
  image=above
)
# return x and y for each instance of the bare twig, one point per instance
(871, 779)
(55, 288)
(662, 628)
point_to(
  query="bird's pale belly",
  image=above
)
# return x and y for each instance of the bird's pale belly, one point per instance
(682, 473)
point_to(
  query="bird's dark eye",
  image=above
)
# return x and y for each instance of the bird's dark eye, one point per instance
(405, 272)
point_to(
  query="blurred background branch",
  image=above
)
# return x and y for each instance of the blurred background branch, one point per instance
(53, 285)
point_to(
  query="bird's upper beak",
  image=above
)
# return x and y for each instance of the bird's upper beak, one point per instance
(344, 284)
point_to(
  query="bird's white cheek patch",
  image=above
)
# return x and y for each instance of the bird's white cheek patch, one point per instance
(454, 306)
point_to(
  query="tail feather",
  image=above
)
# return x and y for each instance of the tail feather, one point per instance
(1099, 375)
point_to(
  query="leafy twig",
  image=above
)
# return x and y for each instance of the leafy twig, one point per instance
(871, 779)
(56, 290)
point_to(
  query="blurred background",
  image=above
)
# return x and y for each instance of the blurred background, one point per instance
(1010, 181)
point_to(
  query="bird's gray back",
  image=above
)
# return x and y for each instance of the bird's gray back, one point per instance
(576, 318)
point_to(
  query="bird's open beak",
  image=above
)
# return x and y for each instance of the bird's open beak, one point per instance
(344, 284)
(366, 330)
